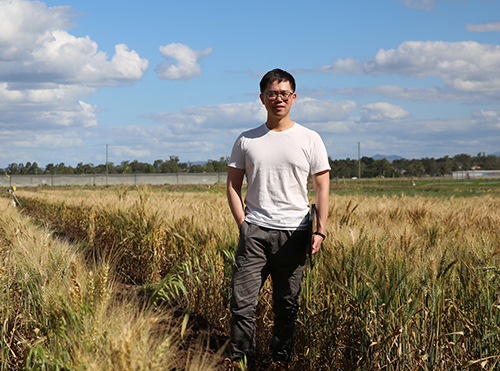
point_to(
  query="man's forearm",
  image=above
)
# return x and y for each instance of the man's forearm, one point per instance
(236, 205)
(321, 200)
(321, 184)
(234, 185)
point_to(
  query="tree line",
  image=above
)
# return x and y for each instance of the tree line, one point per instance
(371, 168)
(346, 168)
(172, 165)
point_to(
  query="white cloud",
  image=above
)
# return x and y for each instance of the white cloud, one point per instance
(483, 27)
(46, 108)
(333, 127)
(310, 110)
(42, 140)
(153, 141)
(125, 65)
(432, 95)
(382, 111)
(26, 23)
(58, 57)
(44, 70)
(221, 117)
(202, 119)
(487, 117)
(421, 4)
(466, 66)
(187, 66)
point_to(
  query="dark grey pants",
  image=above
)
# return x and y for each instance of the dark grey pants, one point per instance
(262, 252)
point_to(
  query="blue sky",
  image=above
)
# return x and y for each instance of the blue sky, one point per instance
(152, 79)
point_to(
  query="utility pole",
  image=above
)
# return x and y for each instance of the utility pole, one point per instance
(359, 161)
(106, 165)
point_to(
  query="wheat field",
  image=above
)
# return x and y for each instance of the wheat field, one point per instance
(401, 283)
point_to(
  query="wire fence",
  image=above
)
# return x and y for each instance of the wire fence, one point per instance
(112, 179)
(196, 179)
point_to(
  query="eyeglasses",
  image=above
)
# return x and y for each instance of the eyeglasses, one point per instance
(273, 95)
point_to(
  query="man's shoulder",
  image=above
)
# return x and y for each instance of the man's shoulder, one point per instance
(255, 132)
(304, 131)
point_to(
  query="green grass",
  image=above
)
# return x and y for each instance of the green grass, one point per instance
(423, 187)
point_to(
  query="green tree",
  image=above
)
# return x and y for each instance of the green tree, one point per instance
(444, 166)
(171, 166)
(343, 168)
(415, 168)
(196, 168)
(50, 169)
(141, 167)
(124, 168)
(23, 170)
(219, 166)
(157, 165)
(463, 161)
(430, 166)
(12, 169)
(33, 168)
(382, 168)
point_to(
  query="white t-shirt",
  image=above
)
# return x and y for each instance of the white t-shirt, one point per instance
(277, 166)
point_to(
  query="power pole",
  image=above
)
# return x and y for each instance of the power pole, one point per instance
(106, 165)
(359, 161)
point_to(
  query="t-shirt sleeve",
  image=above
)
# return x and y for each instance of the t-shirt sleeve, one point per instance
(319, 156)
(237, 159)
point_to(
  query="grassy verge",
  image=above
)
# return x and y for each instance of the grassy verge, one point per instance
(438, 187)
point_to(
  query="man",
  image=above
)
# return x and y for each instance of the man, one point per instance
(277, 158)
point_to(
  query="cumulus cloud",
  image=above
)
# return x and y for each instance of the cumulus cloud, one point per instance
(382, 111)
(153, 142)
(27, 23)
(37, 109)
(308, 110)
(213, 128)
(38, 52)
(45, 71)
(465, 66)
(203, 119)
(38, 146)
(41, 140)
(487, 117)
(240, 116)
(186, 66)
(483, 27)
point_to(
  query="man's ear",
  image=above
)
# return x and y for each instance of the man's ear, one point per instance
(262, 98)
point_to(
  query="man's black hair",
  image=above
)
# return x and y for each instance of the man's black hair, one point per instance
(279, 76)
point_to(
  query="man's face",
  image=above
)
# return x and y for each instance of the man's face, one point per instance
(273, 100)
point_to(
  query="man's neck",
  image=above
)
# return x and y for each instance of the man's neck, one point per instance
(282, 124)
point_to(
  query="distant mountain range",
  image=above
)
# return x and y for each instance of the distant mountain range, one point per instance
(396, 157)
